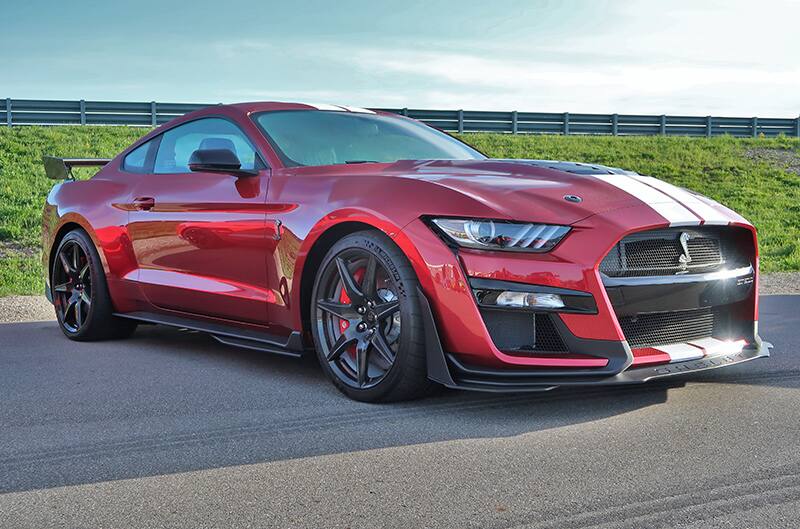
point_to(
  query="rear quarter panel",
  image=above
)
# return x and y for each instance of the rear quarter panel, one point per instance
(98, 206)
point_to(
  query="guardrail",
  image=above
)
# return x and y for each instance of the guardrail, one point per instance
(44, 112)
(151, 114)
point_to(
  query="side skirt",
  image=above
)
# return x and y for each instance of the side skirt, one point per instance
(227, 334)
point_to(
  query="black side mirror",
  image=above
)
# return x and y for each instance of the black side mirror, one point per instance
(218, 161)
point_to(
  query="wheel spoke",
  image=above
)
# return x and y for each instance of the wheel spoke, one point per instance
(70, 305)
(339, 347)
(78, 313)
(63, 287)
(361, 362)
(65, 263)
(75, 257)
(348, 282)
(368, 281)
(340, 310)
(83, 271)
(382, 347)
(386, 309)
(86, 299)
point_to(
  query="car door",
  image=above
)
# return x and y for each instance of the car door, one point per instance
(199, 237)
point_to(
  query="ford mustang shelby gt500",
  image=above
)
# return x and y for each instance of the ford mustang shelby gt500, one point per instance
(402, 256)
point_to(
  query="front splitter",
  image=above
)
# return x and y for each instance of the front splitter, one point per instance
(482, 379)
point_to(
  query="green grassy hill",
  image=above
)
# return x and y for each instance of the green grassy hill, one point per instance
(757, 177)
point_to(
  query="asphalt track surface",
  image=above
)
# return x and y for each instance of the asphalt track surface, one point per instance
(171, 429)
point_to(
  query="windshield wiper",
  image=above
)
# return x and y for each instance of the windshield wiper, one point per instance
(361, 161)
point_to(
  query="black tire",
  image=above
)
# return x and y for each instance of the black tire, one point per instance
(80, 293)
(380, 376)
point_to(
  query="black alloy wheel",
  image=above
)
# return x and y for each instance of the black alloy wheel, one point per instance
(366, 320)
(80, 294)
(360, 319)
(72, 286)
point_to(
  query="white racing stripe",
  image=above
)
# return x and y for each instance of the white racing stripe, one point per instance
(695, 349)
(666, 206)
(681, 352)
(326, 106)
(713, 346)
(339, 108)
(708, 214)
(358, 110)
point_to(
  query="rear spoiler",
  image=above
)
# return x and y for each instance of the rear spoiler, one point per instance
(61, 168)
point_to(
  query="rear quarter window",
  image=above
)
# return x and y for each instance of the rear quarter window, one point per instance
(136, 161)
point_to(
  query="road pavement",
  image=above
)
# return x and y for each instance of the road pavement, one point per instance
(171, 429)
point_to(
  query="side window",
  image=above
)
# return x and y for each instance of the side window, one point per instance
(136, 160)
(178, 144)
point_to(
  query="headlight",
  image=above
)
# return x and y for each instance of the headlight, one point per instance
(499, 235)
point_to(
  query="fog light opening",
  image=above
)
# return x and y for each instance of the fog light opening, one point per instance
(507, 295)
(531, 300)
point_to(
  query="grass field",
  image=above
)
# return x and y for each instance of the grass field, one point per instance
(748, 175)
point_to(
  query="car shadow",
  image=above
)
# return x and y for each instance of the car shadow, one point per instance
(167, 401)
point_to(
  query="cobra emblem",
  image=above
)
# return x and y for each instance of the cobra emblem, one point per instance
(684, 258)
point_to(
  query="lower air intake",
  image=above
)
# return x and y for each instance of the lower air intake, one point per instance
(523, 332)
(661, 328)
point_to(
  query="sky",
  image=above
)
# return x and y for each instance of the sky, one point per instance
(701, 57)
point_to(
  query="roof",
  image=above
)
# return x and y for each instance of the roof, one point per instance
(265, 106)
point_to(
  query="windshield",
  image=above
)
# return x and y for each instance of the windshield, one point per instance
(315, 137)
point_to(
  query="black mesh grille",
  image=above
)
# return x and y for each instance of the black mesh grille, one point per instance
(547, 337)
(521, 331)
(660, 252)
(661, 328)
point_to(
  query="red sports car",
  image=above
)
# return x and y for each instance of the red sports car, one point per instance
(402, 256)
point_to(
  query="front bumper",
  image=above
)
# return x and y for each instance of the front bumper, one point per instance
(450, 371)
(473, 352)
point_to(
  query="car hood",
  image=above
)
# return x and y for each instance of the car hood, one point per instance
(560, 192)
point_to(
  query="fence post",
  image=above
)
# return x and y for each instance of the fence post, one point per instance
(514, 125)
(614, 124)
(755, 127)
(460, 121)
(566, 123)
(83, 112)
(796, 127)
(708, 126)
(8, 111)
(663, 124)
(153, 115)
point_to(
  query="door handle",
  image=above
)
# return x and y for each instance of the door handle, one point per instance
(144, 203)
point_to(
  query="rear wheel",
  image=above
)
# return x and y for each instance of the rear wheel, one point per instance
(366, 320)
(80, 294)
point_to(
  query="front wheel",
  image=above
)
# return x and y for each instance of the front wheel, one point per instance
(366, 320)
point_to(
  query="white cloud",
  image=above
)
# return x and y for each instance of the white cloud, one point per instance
(731, 57)
(459, 80)
(500, 73)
